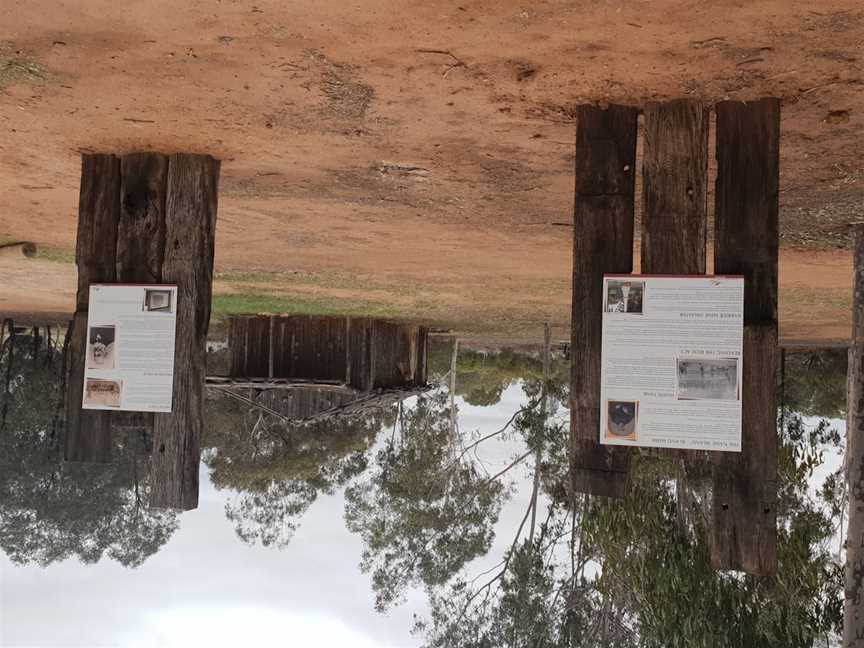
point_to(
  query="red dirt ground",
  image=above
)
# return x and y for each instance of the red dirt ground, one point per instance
(422, 144)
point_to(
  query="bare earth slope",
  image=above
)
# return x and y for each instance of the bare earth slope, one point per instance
(423, 144)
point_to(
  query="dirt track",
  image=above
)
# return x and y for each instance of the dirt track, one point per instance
(429, 147)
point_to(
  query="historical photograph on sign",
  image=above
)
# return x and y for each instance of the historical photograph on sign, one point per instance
(624, 296)
(708, 378)
(158, 301)
(621, 419)
(100, 347)
(102, 393)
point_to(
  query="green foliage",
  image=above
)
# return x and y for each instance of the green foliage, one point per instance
(232, 304)
(277, 471)
(424, 511)
(815, 383)
(51, 510)
(659, 569)
(482, 377)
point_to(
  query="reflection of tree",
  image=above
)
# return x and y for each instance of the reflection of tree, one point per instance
(277, 470)
(50, 510)
(655, 586)
(483, 377)
(815, 383)
(426, 509)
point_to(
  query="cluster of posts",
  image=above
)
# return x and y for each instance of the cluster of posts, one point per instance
(150, 218)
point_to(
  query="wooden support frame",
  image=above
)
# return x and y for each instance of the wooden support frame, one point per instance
(602, 243)
(744, 530)
(148, 218)
(674, 233)
(675, 201)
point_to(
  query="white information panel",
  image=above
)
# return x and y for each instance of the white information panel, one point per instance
(130, 347)
(672, 362)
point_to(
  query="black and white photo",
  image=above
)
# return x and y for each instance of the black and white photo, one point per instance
(102, 393)
(158, 300)
(100, 347)
(625, 296)
(708, 378)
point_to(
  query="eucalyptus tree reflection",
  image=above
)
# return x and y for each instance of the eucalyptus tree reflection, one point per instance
(815, 382)
(482, 376)
(50, 510)
(426, 508)
(277, 470)
(637, 572)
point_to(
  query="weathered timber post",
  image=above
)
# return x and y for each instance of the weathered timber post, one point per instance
(140, 240)
(744, 529)
(675, 188)
(853, 611)
(675, 200)
(602, 243)
(192, 185)
(88, 432)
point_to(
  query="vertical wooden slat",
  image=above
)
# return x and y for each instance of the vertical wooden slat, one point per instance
(190, 225)
(140, 239)
(675, 188)
(853, 609)
(141, 232)
(271, 326)
(744, 527)
(744, 530)
(674, 200)
(422, 348)
(359, 333)
(746, 234)
(88, 432)
(602, 243)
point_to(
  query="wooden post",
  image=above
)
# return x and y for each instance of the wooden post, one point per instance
(190, 228)
(853, 612)
(602, 243)
(141, 235)
(744, 530)
(674, 200)
(675, 188)
(88, 432)
(140, 240)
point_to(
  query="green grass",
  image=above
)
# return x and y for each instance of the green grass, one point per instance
(55, 255)
(225, 305)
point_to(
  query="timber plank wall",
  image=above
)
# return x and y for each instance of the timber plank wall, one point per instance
(147, 218)
(365, 353)
(673, 241)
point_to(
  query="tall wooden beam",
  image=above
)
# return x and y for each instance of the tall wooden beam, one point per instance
(88, 432)
(674, 200)
(141, 236)
(675, 188)
(853, 612)
(744, 530)
(602, 243)
(190, 228)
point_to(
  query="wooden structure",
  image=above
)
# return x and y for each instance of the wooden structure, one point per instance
(360, 352)
(673, 241)
(853, 612)
(148, 218)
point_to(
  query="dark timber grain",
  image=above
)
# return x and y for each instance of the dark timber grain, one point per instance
(674, 200)
(141, 236)
(190, 225)
(744, 530)
(602, 243)
(675, 188)
(746, 214)
(853, 614)
(88, 432)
